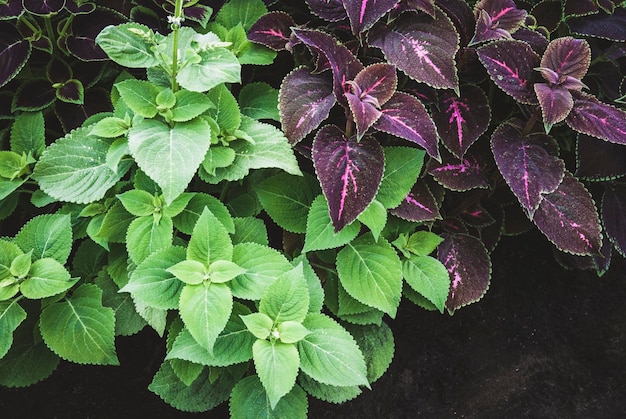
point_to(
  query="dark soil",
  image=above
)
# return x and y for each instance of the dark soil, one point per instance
(543, 343)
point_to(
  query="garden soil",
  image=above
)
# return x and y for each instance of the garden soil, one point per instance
(544, 342)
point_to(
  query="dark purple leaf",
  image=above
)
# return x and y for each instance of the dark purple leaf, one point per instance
(272, 30)
(81, 43)
(486, 30)
(468, 173)
(72, 116)
(43, 7)
(71, 91)
(461, 120)
(601, 26)
(343, 64)
(147, 17)
(511, 65)
(349, 172)
(454, 225)
(198, 13)
(496, 19)
(365, 13)
(11, 10)
(88, 72)
(426, 6)
(567, 56)
(609, 77)
(599, 160)
(304, 101)
(535, 39)
(613, 219)
(364, 112)
(476, 216)
(548, 14)
(579, 8)
(529, 164)
(419, 205)
(592, 117)
(491, 234)
(607, 5)
(14, 54)
(330, 10)
(462, 17)
(568, 218)
(83, 9)
(33, 95)
(469, 266)
(58, 71)
(404, 116)
(600, 262)
(422, 47)
(555, 101)
(43, 44)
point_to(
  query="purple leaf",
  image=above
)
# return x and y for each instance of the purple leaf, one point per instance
(548, 14)
(468, 173)
(404, 116)
(343, 64)
(496, 19)
(592, 117)
(198, 13)
(613, 210)
(529, 164)
(330, 10)
(58, 71)
(567, 56)
(272, 30)
(14, 52)
(426, 6)
(510, 65)
(71, 91)
(72, 116)
(599, 160)
(82, 42)
(556, 103)
(349, 172)
(419, 205)
(422, 47)
(454, 225)
(602, 25)
(568, 218)
(535, 39)
(11, 10)
(43, 44)
(461, 120)
(476, 216)
(33, 95)
(365, 13)
(579, 8)
(75, 9)
(491, 234)
(43, 8)
(462, 17)
(469, 266)
(304, 101)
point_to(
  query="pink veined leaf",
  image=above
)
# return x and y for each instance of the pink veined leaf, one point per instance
(511, 65)
(496, 19)
(461, 120)
(613, 210)
(537, 41)
(329, 10)
(556, 103)
(567, 56)
(404, 116)
(462, 17)
(364, 13)
(349, 172)
(454, 225)
(420, 46)
(476, 216)
(599, 160)
(487, 30)
(568, 218)
(529, 164)
(592, 117)
(365, 112)
(469, 266)
(304, 101)
(491, 234)
(419, 205)
(272, 30)
(468, 173)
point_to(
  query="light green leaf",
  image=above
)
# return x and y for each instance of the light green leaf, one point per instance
(287, 298)
(137, 202)
(209, 241)
(429, 277)
(177, 205)
(140, 96)
(189, 105)
(259, 101)
(128, 44)
(127, 320)
(330, 355)
(328, 393)
(371, 272)
(187, 219)
(377, 345)
(402, 167)
(80, 329)
(21, 265)
(166, 99)
(8, 252)
(245, 12)
(222, 271)
(189, 271)
(226, 111)
(422, 243)
(117, 151)
(48, 235)
(28, 134)
(262, 264)
(115, 224)
(277, 365)
(145, 236)
(109, 127)
(216, 157)
(47, 277)
(74, 168)
(259, 324)
(250, 400)
(10, 165)
(186, 371)
(250, 229)
(316, 293)
(170, 156)
(155, 317)
(7, 187)
(374, 217)
(216, 66)
(11, 316)
(291, 332)
(320, 233)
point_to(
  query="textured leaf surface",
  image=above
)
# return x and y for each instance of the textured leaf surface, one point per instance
(145, 236)
(418, 205)
(461, 175)
(287, 298)
(592, 117)
(11, 315)
(320, 233)
(402, 167)
(607, 26)
(124, 46)
(48, 235)
(567, 56)
(262, 264)
(272, 30)
(599, 160)
(365, 13)
(250, 400)
(429, 277)
(210, 241)
(277, 367)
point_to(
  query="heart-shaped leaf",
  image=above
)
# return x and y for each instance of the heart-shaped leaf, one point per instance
(463, 175)
(592, 117)
(496, 19)
(33, 95)
(567, 56)
(419, 205)
(14, 52)
(349, 172)
(365, 13)
(272, 30)
(613, 210)
(330, 10)
(43, 8)
(71, 91)
(555, 101)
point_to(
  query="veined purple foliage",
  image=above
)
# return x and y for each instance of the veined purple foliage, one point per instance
(43, 8)
(607, 26)
(329, 10)
(272, 30)
(426, 6)
(537, 41)
(491, 234)
(511, 64)
(420, 46)
(568, 218)
(567, 56)
(613, 210)
(344, 65)
(592, 117)
(599, 160)
(404, 116)
(461, 16)
(529, 164)
(419, 205)
(496, 19)
(461, 120)
(468, 173)
(304, 101)
(14, 52)
(579, 8)
(476, 216)
(349, 172)
(365, 13)
(454, 225)
(469, 267)
(556, 103)
(11, 10)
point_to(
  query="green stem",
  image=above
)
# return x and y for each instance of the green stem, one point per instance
(50, 32)
(178, 15)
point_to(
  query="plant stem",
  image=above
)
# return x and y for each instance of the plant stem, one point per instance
(531, 123)
(178, 16)
(50, 32)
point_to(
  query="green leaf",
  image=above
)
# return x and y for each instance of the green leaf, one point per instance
(127, 320)
(259, 101)
(74, 168)
(216, 66)
(80, 329)
(189, 105)
(377, 345)
(170, 156)
(140, 96)
(328, 393)
(177, 205)
(429, 277)
(21, 265)
(330, 355)
(226, 111)
(277, 365)
(187, 219)
(8, 252)
(245, 12)
(209, 241)
(217, 157)
(259, 324)
(402, 167)
(109, 127)
(166, 99)
(287, 298)
(262, 264)
(48, 235)
(250, 400)
(10, 165)
(291, 332)
(222, 271)
(422, 243)
(316, 293)
(186, 371)
(205, 309)
(320, 233)
(11, 316)
(155, 317)
(117, 151)
(152, 284)
(287, 199)
(189, 271)
(7, 187)
(250, 229)
(137, 202)
(47, 277)
(145, 236)
(128, 44)
(115, 224)
(28, 134)
(371, 272)
(374, 217)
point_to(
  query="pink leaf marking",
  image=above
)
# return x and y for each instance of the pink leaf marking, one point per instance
(421, 53)
(347, 177)
(456, 116)
(509, 70)
(502, 13)
(410, 198)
